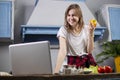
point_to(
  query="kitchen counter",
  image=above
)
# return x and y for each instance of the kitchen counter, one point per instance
(110, 76)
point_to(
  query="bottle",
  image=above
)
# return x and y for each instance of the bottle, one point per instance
(80, 70)
(74, 69)
(66, 69)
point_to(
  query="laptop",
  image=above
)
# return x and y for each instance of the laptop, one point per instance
(31, 58)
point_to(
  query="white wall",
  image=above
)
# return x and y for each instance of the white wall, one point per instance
(4, 59)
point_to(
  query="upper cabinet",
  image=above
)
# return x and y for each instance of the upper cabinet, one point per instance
(114, 16)
(32, 33)
(109, 16)
(6, 21)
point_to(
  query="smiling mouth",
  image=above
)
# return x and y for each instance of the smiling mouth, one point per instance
(72, 21)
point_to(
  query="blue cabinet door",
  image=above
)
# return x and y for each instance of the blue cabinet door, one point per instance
(5, 19)
(114, 17)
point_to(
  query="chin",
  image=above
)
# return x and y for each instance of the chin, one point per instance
(72, 24)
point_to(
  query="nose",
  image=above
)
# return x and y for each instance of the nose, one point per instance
(71, 17)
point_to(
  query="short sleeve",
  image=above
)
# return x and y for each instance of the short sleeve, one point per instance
(86, 28)
(62, 32)
(86, 31)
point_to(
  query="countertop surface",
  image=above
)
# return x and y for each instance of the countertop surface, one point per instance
(112, 76)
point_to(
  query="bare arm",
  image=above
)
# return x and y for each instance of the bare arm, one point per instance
(90, 45)
(61, 54)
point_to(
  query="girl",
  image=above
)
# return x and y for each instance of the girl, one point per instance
(76, 40)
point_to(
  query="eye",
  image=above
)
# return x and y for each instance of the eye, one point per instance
(68, 15)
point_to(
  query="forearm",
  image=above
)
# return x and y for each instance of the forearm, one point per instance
(90, 45)
(60, 59)
(61, 54)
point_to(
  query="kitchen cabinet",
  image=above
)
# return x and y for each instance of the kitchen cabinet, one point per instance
(6, 21)
(108, 16)
(40, 33)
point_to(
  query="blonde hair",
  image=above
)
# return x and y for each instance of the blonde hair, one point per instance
(79, 12)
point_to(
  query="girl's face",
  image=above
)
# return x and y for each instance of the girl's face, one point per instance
(72, 18)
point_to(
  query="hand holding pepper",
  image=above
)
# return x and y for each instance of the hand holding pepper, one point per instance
(93, 22)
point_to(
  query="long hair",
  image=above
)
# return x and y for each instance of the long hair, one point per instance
(79, 14)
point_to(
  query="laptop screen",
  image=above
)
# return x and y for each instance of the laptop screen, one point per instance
(30, 58)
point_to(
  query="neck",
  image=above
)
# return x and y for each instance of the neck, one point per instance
(77, 30)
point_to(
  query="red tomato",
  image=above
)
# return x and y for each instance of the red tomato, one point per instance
(107, 69)
(101, 69)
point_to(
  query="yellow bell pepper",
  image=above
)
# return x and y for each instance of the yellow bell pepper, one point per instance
(93, 22)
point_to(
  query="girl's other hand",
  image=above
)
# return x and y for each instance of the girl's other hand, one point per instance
(93, 22)
(92, 25)
(91, 28)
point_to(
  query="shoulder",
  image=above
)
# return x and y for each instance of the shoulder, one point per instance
(86, 27)
(62, 32)
(63, 29)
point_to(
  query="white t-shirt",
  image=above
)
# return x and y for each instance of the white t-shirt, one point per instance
(76, 45)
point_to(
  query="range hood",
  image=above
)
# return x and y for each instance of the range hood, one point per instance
(51, 12)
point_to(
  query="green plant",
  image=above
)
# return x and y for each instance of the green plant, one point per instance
(110, 49)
